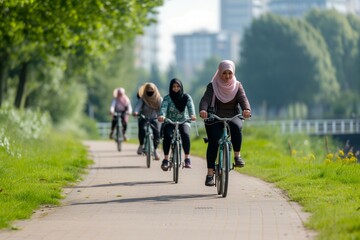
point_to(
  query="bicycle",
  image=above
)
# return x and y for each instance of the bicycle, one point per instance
(148, 148)
(222, 163)
(175, 149)
(119, 135)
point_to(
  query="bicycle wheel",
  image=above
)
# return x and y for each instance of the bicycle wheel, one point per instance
(218, 172)
(176, 162)
(118, 138)
(148, 151)
(225, 170)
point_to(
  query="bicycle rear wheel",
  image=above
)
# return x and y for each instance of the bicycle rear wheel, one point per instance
(225, 170)
(176, 162)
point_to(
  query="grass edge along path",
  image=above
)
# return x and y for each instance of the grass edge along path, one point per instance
(314, 173)
(35, 174)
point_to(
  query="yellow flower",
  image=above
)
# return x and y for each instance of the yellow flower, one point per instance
(327, 161)
(341, 153)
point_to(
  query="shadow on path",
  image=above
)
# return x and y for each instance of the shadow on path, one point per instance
(124, 184)
(117, 167)
(163, 198)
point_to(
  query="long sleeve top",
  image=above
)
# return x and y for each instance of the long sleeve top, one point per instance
(169, 110)
(144, 109)
(228, 109)
(117, 106)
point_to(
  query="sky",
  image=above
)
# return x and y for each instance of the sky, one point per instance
(184, 17)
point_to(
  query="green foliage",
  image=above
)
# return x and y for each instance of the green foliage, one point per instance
(35, 164)
(341, 41)
(202, 78)
(312, 171)
(36, 31)
(286, 59)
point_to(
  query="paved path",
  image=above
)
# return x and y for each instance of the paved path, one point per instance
(122, 199)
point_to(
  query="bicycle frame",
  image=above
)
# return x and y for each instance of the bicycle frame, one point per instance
(176, 146)
(148, 149)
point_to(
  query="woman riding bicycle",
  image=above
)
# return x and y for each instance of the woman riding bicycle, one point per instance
(120, 104)
(176, 106)
(148, 104)
(226, 94)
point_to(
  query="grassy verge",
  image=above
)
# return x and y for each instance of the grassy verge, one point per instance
(34, 164)
(314, 173)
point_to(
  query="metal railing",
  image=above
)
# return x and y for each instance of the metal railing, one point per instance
(312, 127)
(316, 127)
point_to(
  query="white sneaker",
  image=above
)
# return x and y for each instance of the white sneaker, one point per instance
(157, 156)
(140, 150)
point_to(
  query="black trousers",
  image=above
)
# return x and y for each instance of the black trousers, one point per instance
(185, 137)
(214, 132)
(142, 130)
(123, 122)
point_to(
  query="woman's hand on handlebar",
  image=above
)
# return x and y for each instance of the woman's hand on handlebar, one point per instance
(161, 118)
(246, 113)
(203, 114)
(193, 118)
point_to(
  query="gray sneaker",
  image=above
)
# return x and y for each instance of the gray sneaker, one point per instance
(165, 165)
(156, 155)
(239, 162)
(187, 163)
(140, 150)
(209, 180)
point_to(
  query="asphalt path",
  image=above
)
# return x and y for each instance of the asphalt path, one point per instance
(120, 198)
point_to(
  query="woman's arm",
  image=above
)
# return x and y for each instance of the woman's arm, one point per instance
(191, 108)
(206, 99)
(163, 109)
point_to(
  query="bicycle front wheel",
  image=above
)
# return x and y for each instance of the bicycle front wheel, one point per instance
(148, 150)
(218, 172)
(176, 162)
(118, 138)
(225, 170)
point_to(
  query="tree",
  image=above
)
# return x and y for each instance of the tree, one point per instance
(87, 29)
(285, 61)
(341, 42)
(203, 77)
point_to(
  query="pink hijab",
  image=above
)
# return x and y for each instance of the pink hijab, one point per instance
(124, 100)
(225, 92)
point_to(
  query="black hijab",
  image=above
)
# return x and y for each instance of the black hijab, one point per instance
(179, 99)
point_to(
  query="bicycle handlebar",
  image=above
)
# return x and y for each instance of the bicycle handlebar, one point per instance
(146, 118)
(212, 116)
(174, 123)
(120, 113)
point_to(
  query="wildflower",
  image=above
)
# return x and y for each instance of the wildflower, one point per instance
(341, 153)
(330, 156)
(327, 161)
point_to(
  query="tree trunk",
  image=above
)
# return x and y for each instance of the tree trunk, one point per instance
(3, 73)
(21, 85)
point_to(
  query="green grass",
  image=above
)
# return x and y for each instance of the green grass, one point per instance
(36, 162)
(327, 186)
(38, 176)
